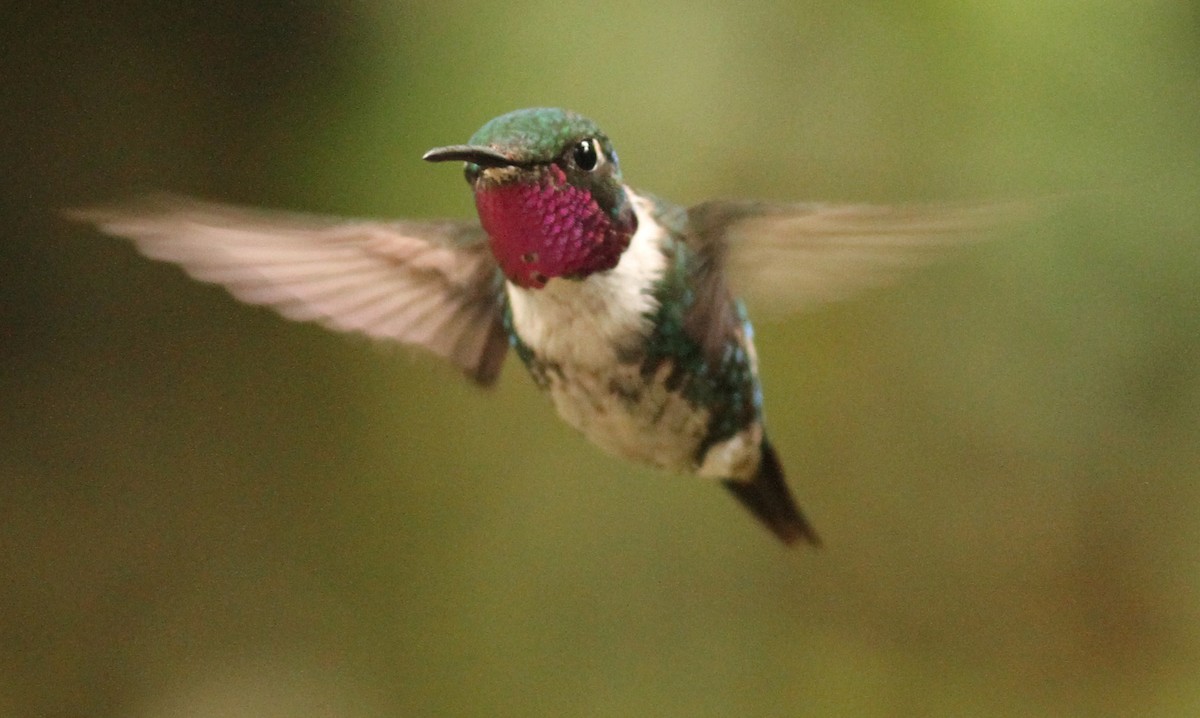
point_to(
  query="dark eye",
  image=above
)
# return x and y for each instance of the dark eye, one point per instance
(585, 155)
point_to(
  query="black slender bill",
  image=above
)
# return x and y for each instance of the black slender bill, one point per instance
(475, 154)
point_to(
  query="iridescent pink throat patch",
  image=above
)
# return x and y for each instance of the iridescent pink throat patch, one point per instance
(549, 228)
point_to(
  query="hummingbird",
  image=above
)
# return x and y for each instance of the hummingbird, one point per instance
(625, 309)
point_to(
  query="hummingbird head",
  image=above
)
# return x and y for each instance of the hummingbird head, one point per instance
(549, 194)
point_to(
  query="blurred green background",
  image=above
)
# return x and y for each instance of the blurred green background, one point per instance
(207, 511)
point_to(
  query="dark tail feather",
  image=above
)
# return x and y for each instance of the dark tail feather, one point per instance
(768, 498)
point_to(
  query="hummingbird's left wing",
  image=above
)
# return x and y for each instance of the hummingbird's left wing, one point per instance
(790, 257)
(429, 284)
(797, 256)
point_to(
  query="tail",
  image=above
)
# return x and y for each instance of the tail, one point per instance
(769, 499)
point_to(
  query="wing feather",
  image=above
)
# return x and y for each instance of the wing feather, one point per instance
(797, 256)
(429, 284)
(790, 257)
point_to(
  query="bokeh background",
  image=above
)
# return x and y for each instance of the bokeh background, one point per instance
(207, 511)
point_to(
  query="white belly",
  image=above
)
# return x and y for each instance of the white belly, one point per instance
(581, 331)
(626, 415)
(623, 414)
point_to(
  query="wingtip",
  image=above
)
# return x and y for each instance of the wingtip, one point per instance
(105, 213)
(86, 214)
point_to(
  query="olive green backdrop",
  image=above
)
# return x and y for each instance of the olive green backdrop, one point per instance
(207, 511)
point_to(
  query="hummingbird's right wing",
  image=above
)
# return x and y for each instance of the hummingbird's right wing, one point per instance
(430, 284)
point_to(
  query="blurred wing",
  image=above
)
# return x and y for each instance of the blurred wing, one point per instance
(428, 284)
(797, 256)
